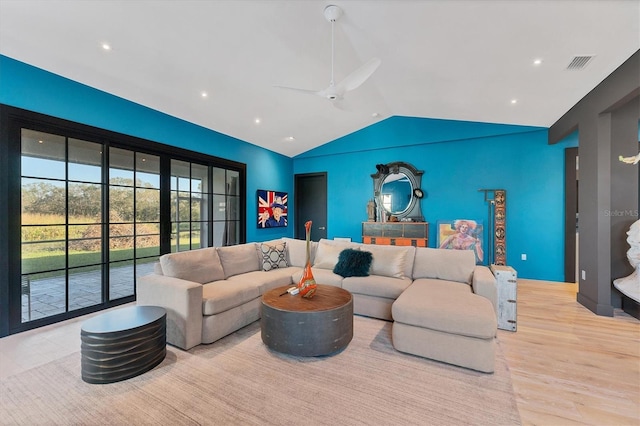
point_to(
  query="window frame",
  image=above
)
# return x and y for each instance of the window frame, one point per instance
(12, 120)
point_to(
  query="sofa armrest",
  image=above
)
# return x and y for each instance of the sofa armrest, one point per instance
(183, 301)
(484, 284)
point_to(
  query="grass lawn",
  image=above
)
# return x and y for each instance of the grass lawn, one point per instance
(33, 263)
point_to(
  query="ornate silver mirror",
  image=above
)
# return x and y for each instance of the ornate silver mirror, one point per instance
(397, 191)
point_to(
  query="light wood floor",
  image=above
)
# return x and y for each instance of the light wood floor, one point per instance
(568, 365)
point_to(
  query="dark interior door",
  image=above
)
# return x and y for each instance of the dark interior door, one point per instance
(571, 213)
(311, 204)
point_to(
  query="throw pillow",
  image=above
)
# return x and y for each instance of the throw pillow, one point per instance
(327, 255)
(444, 264)
(388, 261)
(353, 263)
(239, 259)
(273, 256)
(201, 265)
(297, 251)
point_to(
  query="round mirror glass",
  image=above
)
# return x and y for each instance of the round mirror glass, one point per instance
(395, 193)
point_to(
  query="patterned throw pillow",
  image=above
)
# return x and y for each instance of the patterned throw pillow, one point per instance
(353, 263)
(273, 256)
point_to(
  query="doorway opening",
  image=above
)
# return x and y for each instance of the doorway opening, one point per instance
(571, 220)
(311, 204)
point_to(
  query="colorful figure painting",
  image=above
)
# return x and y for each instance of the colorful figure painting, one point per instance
(272, 209)
(462, 234)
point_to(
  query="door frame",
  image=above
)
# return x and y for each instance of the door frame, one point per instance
(297, 178)
(571, 218)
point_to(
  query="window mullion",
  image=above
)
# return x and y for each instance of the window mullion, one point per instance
(106, 221)
(66, 224)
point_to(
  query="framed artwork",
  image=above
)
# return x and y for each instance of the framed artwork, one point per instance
(272, 209)
(462, 234)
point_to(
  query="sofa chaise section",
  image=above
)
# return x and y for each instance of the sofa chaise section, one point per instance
(440, 317)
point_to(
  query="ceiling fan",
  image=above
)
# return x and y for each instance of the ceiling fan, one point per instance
(335, 92)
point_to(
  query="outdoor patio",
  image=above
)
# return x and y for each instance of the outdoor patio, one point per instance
(46, 296)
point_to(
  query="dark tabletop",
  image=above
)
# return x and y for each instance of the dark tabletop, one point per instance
(123, 319)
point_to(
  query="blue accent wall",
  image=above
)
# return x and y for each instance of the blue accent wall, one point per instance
(458, 158)
(27, 87)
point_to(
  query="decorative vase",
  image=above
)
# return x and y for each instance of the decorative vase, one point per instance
(307, 284)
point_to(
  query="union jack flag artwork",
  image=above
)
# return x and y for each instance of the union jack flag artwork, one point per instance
(272, 209)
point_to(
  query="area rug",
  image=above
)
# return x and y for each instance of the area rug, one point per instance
(237, 380)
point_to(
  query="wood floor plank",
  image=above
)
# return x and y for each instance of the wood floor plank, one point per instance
(568, 365)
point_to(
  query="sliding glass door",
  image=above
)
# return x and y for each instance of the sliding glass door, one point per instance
(79, 231)
(89, 216)
(134, 218)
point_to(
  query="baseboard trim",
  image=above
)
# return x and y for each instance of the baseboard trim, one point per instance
(595, 307)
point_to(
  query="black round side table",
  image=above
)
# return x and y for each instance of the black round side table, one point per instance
(124, 343)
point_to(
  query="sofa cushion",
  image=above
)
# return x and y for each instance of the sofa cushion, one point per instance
(446, 306)
(328, 251)
(273, 255)
(452, 265)
(266, 280)
(220, 296)
(238, 259)
(353, 263)
(390, 261)
(297, 251)
(376, 285)
(200, 265)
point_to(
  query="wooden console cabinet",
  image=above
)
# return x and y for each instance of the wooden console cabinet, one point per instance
(396, 233)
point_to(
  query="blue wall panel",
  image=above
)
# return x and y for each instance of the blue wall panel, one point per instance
(33, 89)
(515, 158)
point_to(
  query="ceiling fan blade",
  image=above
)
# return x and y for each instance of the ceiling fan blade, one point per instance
(308, 92)
(341, 104)
(359, 76)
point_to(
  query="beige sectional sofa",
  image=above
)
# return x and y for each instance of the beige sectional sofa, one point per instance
(442, 304)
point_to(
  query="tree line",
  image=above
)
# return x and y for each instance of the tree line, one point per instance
(85, 200)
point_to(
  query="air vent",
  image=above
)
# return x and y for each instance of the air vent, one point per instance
(579, 62)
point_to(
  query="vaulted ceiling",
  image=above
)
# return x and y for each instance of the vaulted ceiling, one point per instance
(461, 60)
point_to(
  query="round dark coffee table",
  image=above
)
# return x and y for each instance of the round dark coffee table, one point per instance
(307, 327)
(124, 343)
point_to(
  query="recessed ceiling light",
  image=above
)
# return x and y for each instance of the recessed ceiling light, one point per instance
(106, 46)
(514, 101)
(290, 138)
(204, 94)
(375, 115)
(257, 120)
(537, 61)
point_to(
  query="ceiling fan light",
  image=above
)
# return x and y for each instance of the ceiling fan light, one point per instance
(332, 13)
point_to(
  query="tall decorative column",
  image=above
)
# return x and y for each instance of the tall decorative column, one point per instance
(500, 229)
(497, 217)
